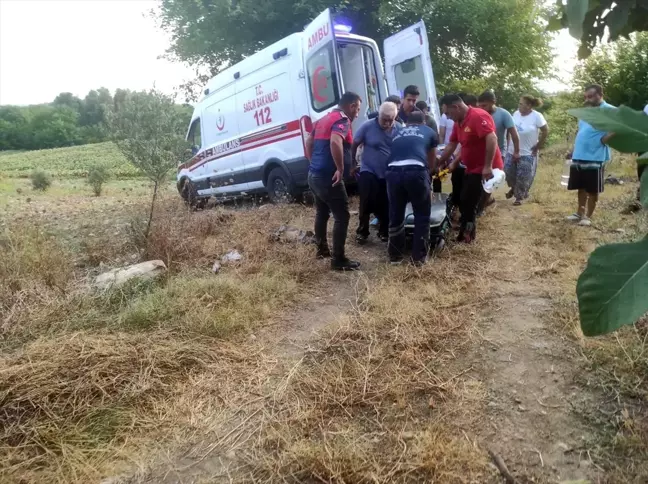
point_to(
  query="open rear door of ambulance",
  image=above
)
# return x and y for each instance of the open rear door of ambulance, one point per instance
(322, 66)
(407, 62)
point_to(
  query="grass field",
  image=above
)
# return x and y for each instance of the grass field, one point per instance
(189, 378)
(63, 163)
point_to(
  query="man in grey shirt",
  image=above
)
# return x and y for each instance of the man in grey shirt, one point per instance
(504, 125)
(375, 136)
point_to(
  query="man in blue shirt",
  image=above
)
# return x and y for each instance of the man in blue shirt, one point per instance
(376, 137)
(408, 180)
(588, 160)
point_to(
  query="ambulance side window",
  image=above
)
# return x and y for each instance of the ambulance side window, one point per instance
(195, 137)
(410, 72)
(322, 78)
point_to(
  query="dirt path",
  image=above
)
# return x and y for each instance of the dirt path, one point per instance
(530, 371)
(529, 375)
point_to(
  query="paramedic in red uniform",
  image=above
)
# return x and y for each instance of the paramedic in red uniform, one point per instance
(329, 150)
(474, 129)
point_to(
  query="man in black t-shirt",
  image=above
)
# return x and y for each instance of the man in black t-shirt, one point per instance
(413, 155)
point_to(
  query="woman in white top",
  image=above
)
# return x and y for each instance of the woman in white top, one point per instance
(445, 127)
(533, 130)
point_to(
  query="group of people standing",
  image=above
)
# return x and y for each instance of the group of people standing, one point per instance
(399, 158)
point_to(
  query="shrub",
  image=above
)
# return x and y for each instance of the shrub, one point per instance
(40, 180)
(97, 176)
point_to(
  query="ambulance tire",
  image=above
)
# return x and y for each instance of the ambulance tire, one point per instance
(190, 195)
(280, 186)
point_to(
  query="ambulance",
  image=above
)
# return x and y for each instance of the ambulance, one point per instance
(249, 128)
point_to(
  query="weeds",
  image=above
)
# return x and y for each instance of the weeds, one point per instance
(40, 180)
(97, 176)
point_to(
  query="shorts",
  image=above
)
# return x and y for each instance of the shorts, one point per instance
(588, 176)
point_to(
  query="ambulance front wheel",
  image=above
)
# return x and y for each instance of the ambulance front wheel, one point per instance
(190, 195)
(280, 186)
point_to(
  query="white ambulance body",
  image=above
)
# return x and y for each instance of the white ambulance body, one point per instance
(248, 130)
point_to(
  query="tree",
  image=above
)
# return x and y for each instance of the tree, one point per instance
(150, 133)
(70, 100)
(621, 68)
(589, 20)
(53, 127)
(14, 128)
(501, 40)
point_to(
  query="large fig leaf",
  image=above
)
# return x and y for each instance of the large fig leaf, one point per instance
(613, 289)
(576, 11)
(630, 126)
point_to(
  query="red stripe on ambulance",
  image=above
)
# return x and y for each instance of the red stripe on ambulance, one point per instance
(256, 140)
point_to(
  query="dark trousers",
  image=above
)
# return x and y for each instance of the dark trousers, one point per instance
(330, 199)
(640, 169)
(457, 185)
(471, 193)
(409, 184)
(373, 199)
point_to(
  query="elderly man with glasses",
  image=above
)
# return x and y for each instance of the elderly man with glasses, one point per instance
(375, 136)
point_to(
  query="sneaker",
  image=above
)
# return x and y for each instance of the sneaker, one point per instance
(344, 265)
(383, 237)
(574, 217)
(396, 261)
(585, 222)
(324, 253)
(517, 202)
(418, 263)
(361, 239)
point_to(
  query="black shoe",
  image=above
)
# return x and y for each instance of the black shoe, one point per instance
(418, 263)
(395, 261)
(323, 253)
(383, 237)
(467, 234)
(344, 265)
(361, 239)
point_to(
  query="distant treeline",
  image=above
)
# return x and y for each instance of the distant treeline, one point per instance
(67, 121)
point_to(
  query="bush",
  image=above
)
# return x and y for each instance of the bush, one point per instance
(40, 180)
(97, 176)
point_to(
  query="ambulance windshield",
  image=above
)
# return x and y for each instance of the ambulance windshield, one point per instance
(359, 75)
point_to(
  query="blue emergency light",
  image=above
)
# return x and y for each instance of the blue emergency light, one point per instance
(346, 29)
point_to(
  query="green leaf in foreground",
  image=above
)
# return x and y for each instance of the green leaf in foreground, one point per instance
(576, 11)
(613, 289)
(630, 126)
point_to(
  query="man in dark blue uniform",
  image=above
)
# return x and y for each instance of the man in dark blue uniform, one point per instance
(329, 150)
(408, 180)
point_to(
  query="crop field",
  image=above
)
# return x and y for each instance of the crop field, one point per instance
(72, 162)
(274, 369)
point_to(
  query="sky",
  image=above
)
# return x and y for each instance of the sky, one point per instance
(53, 46)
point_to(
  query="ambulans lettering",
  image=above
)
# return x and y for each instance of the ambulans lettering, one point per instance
(320, 34)
(227, 146)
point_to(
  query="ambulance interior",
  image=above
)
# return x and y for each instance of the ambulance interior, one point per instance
(364, 80)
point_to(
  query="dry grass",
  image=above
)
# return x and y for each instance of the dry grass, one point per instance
(91, 383)
(74, 403)
(380, 399)
(97, 384)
